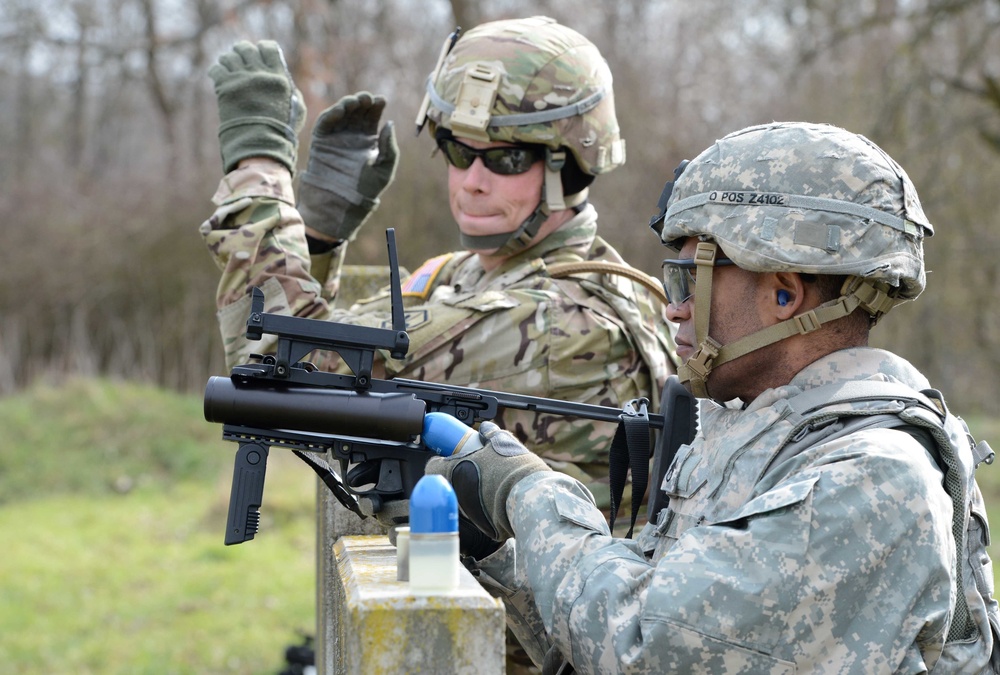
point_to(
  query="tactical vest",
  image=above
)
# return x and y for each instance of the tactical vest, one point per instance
(598, 284)
(826, 413)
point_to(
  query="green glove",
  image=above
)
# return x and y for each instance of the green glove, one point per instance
(261, 112)
(349, 166)
(484, 476)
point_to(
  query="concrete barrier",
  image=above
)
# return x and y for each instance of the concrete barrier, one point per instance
(380, 627)
(366, 621)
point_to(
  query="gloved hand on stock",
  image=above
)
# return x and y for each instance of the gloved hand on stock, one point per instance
(483, 475)
(261, 112)
(350, 164)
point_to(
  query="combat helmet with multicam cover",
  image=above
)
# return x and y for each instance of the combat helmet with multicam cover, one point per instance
(529, 81)
(798, 197)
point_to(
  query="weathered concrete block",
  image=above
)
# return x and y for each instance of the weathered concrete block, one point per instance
(382, 628)
(332, 521)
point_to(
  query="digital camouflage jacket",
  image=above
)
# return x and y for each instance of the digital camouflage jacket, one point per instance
(838, 557)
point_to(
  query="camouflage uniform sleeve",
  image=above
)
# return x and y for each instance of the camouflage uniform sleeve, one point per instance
(846, 562)
(257, 238)
(500, 575)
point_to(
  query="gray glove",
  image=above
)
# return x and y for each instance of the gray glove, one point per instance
(261, 112)
(484, 477)
(349, 166)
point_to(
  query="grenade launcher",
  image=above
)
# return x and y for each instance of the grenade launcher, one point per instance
(372, 427)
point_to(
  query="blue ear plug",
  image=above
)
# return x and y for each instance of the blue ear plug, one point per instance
(783, 297)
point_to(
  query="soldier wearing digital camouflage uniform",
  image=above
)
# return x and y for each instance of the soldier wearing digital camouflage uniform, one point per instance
(830, 524)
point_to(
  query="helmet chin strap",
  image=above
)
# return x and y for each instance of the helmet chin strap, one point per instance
(873, 297)
(509, 243)
(694, 372)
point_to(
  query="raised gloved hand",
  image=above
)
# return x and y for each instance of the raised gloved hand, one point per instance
(483, 477)
(261, 112)
(350, 164)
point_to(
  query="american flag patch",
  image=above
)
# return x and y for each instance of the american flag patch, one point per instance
(419, 284)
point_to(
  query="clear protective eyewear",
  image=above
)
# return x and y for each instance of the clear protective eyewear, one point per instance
(679, 282)
(505, 161)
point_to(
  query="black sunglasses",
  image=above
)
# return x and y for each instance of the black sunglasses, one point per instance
(505, 161)
(678, 280)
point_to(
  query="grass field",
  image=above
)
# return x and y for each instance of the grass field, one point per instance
(113, 502)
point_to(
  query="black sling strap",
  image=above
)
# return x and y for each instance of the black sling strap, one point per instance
(629, 450)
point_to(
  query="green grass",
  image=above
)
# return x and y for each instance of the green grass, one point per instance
(113, 500)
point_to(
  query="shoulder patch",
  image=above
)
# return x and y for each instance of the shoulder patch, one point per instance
(420, 283)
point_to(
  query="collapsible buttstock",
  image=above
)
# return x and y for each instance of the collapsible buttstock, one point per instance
(247, 493)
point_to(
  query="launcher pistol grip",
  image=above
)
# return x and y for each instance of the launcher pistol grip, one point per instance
(247, 493)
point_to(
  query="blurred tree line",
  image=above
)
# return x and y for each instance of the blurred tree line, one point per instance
(110, 157)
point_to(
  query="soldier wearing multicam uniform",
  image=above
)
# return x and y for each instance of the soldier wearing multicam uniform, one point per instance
(832, 523)
(510, 313)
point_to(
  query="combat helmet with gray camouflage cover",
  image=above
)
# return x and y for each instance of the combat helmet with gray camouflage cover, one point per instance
(529, 81)
(797, 197)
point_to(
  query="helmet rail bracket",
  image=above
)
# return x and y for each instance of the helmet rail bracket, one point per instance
(474, 104)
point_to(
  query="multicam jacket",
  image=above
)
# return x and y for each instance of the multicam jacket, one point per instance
(839, 557)
(591, 338)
